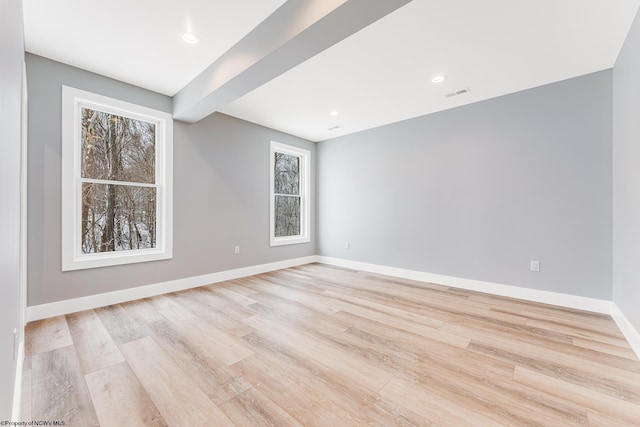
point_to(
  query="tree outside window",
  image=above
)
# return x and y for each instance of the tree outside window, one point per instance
(117, 183)
(289, 194)
(117, 150)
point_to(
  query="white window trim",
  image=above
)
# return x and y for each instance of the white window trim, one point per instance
(305, 205)
(72, 257)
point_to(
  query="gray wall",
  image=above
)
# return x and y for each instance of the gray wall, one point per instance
(221, 192)
(479, 191)
(11, 60)
(626, 178)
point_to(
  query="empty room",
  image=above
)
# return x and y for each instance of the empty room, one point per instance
(320, 213)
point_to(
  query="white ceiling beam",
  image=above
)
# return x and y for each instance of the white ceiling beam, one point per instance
(295, 32)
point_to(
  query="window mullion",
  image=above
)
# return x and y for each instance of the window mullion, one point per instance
(113, 182)
(107, 221)
(289, 217)
(287, 195)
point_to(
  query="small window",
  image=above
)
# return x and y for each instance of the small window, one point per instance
(289, 195)
(116, 182)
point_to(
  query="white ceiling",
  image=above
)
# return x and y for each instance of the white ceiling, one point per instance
(139, 41)
(379, 75)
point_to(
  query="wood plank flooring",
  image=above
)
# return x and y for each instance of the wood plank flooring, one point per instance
(322, 346)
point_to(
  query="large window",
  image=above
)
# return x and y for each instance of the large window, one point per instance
(116, 182)
(289, 194)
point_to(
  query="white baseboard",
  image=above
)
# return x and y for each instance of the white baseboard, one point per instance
(17, 386)
(546, 297)
(59, 308)
(630, 333)
(564, 300)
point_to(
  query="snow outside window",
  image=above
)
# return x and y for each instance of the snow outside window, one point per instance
(116, 182)
(289, 194)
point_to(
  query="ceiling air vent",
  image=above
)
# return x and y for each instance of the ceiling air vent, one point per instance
(458, 92)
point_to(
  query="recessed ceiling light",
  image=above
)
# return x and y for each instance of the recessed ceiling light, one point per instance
(334, 113)
(190, 38)
(438, 79)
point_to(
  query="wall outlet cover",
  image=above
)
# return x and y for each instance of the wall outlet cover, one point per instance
(535, 265)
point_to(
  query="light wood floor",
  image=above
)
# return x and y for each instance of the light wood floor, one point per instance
(322, 346)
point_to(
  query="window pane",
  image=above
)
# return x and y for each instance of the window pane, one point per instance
(286, 174)
(117, 217)
(117, 148)
(287, 216)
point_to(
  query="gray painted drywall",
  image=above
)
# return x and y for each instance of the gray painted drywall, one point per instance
(626, 178)
(479, 191)
(11, 60)
(221, 192)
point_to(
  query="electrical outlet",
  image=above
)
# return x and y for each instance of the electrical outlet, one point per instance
(347, 245)
(236, 250)
(535, 265)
